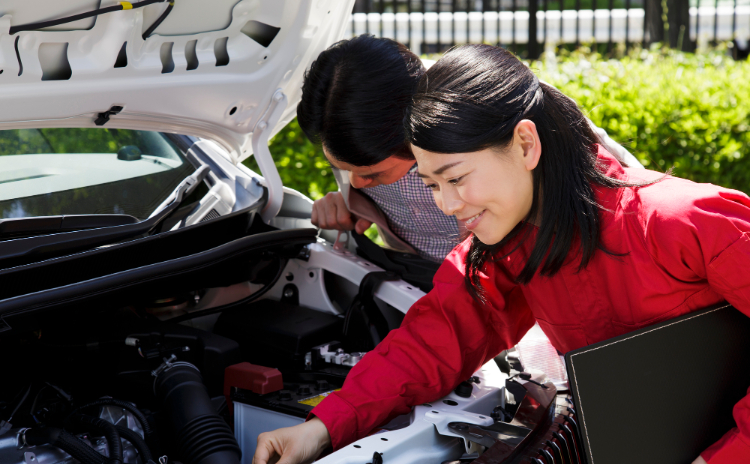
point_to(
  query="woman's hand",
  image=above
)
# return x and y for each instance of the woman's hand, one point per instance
(699, 460)
(300, 444)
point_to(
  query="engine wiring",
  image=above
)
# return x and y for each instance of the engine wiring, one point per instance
(158, 21)
(20, 403)
(6, 425)
(89, 14)
(32, 409)
(58, 391)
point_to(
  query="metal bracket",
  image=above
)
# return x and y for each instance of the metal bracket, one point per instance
(4, 326)
(339, 246)
(261, 134)
(164, 366)
(442, 420)
(489, 435)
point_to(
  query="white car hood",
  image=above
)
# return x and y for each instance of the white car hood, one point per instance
(178, 79)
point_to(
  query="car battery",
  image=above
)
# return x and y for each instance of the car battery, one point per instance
(257, 410)
(277, 334)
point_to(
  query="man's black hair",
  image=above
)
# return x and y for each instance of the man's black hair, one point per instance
(354, 96)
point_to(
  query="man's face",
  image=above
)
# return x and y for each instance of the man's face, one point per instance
(385, 172)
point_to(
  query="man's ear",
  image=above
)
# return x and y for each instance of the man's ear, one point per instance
(527, 138)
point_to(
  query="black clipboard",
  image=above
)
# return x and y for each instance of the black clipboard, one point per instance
(664, 393)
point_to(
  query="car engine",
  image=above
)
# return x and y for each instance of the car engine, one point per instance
(120, 389)
(194, 376)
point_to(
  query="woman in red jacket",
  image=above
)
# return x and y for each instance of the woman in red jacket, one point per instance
(563, 235)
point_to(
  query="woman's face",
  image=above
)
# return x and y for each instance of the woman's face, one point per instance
(490, 191)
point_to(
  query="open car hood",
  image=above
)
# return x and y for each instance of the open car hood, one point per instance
(221, 69)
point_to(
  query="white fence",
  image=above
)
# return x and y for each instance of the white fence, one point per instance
(513, 27)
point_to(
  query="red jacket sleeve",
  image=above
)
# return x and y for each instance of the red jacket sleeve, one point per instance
(444, 338)
(709, 238)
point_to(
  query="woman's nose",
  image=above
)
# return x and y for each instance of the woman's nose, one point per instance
(357, 181)
(450, 203)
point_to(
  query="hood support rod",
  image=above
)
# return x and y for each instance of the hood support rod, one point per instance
(261, 134)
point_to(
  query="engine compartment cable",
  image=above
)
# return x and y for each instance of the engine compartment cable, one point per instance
(107, 429)
(138, 443)
(148, 432)
(20, 403)
(71, 444)
(158, 21)
(89, 14)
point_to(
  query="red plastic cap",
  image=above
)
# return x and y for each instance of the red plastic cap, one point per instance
(257, 379)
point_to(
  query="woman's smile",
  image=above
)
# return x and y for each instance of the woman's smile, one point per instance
(472, 222)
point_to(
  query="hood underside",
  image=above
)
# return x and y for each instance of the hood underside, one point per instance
(209, 69)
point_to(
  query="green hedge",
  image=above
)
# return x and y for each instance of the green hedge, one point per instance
(670, 109)
(302, 165)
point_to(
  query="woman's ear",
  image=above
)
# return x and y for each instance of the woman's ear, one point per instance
(527, 138)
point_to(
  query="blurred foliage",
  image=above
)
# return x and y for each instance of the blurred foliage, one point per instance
(687, 111)
(56, 140)
(690, 112)
(302, 164)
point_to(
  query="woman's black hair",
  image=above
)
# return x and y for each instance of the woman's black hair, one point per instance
(472, 99)
(354, 96)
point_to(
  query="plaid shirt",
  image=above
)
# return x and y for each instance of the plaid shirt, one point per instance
(413, 215)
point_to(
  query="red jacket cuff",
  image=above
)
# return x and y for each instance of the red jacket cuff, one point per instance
(731, 449)
(340, 419)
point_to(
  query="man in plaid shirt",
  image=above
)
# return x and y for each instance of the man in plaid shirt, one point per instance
(353, 102)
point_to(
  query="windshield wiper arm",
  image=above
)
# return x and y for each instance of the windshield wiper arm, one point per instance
(21, 250)
(183, 190)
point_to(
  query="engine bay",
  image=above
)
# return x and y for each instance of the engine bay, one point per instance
(65, 384)
(194, 376)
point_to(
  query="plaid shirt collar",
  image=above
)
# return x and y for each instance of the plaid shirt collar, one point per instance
(412, 214)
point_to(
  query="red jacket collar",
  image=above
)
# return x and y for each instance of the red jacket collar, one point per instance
(609, 165)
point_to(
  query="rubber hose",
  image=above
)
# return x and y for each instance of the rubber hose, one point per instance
(67, 442)
(135, 439)
(114, 445)
(148, 432)
(202, 435)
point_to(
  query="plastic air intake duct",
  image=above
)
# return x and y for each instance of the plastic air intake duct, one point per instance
(201, 434)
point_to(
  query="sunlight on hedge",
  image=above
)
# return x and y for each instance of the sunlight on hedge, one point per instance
(670, 109)
(301, 164)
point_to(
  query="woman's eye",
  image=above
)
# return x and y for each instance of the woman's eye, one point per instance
(432, 186)
(455, 181)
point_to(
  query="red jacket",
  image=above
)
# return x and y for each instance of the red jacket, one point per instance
(687, 248)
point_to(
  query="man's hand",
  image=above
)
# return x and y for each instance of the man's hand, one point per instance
(330, 212)
(300, 444)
